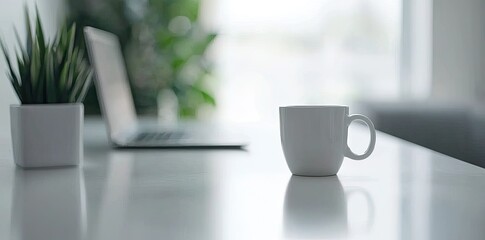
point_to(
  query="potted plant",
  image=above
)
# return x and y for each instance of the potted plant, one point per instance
(50, 79)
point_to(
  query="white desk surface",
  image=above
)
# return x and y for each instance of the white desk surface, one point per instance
(402, 191)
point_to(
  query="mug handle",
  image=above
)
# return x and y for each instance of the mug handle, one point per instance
(372, 143)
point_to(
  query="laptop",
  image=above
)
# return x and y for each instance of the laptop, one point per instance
(118, 110)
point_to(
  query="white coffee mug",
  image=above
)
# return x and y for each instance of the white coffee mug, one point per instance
(314, 138)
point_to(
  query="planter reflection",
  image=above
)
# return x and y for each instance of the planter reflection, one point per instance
(48, 204)
(316, 207)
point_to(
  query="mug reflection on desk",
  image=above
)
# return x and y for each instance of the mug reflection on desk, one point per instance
(317, 208)
(48, 204)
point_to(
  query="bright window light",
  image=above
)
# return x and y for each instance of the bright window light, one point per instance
(272, 52)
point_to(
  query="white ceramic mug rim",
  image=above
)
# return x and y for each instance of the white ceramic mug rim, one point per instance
(313, 106)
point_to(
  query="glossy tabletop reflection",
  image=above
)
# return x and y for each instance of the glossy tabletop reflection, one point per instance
(402, 191)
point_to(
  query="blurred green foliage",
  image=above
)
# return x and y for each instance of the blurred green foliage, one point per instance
(164, 46)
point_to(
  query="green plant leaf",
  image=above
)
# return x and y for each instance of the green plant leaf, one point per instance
(39, 33)
(64, 75)
(201, 47)
(15, 85)
(12, 76)
(71, 38)
(51, 91)
(34, 65)
(41, 86)
(78, 85)
(208, 98)
(72, 69)
(25, 53)
(26, 77)
(85, 88)
(28, 31)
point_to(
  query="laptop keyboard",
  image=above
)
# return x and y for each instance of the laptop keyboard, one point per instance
(157, 136)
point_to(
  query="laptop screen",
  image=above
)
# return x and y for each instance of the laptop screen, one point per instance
(112, 85)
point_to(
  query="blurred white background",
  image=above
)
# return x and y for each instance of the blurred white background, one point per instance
(271, 53)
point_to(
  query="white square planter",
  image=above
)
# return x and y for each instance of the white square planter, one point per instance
(47, 135)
